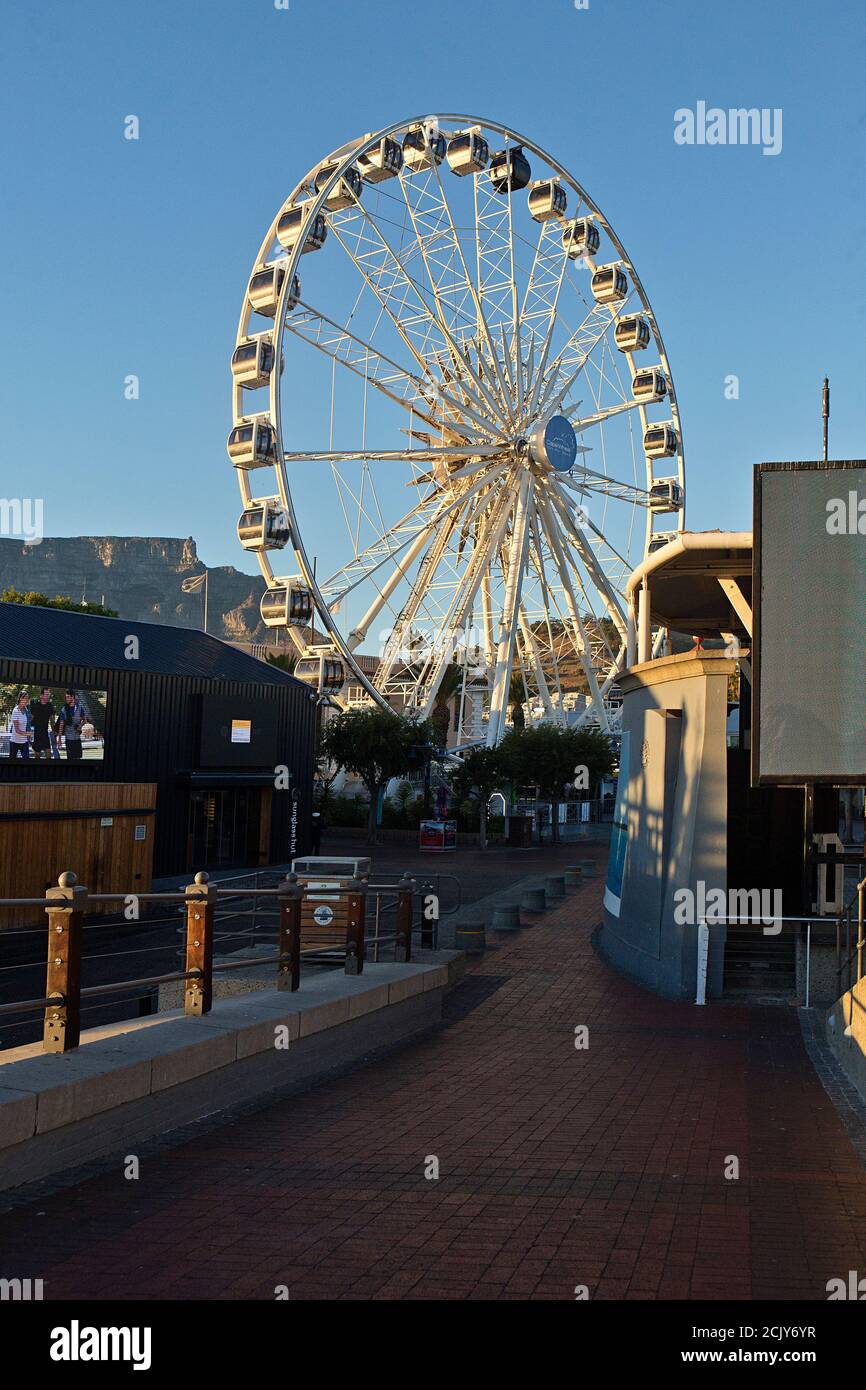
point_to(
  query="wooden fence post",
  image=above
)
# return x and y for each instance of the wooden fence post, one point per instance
(405, 893)
(62, 1030)
(290, 898)
(357, 901)
(200, 900)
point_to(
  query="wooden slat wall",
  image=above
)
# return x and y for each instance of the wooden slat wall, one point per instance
(36, 848)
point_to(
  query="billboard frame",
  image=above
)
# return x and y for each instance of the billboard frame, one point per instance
(856, 779)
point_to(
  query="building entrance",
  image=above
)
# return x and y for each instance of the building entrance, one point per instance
(224, 827)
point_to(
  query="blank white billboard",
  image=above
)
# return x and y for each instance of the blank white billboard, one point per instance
(809, 599)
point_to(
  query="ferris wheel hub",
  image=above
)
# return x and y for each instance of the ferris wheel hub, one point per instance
(553, 443)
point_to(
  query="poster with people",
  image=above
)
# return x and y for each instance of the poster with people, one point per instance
(51, 723)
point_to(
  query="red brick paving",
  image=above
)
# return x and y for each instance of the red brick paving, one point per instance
(558, 1167)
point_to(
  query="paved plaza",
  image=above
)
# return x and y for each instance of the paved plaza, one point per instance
(559, 1166)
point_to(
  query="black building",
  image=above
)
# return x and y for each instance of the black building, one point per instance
(227, 740)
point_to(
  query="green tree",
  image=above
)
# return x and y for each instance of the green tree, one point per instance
(37, 600)
(403, 794)
(374, 745)
(477, 777)
(547, 756)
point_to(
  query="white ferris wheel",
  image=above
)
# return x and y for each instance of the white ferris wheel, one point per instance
(459, 420)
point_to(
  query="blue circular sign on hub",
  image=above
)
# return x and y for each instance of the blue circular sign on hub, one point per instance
(554, 442)
(560, 443)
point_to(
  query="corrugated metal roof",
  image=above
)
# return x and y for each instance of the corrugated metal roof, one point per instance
(79, 639)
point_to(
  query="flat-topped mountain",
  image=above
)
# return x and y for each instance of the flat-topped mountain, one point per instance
(140, 577)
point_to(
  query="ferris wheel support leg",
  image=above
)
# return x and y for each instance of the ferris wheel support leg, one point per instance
(531, 647)
(505, 647)
(631, 640)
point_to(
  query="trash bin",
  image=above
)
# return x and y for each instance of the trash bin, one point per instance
(324, 911)
(519, 832)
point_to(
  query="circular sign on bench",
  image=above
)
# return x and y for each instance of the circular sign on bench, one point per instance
(323, 915)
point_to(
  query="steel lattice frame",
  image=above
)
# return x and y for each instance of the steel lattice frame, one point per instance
(500, 563)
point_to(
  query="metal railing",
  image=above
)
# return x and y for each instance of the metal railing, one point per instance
(771, 927)
(66, 907)
(846, 923)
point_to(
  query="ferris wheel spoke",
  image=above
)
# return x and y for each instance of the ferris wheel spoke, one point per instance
(401, 276)
(535, 662)
(466, 470)
(546, 287)
(582, 644)
(404, 378)
(584, 523)
(424, 578)
(516, 560)
(439, 555)
(610, 597)
(548, 605)
(585, 422)
(575, 353)
(444, 455)
(583, 342)
(443, 226)
(391, 542)
(485, 548)
(497, 271)
(530, 367)
(590, 480)
(505, 395)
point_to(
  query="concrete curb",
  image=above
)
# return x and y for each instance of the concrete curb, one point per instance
(132, 1080)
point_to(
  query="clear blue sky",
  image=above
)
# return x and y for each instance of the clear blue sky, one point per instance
(126, 257)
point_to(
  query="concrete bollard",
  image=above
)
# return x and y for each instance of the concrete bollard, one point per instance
(554, 886)
(506, 917)
(470, 938)
(573, 878)
(533, 900)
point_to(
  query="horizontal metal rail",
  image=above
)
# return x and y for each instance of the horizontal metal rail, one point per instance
(288, 906)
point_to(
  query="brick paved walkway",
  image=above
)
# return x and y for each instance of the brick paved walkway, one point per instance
(558, 1166)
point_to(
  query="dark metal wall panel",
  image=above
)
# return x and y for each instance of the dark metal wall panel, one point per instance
(152, 735)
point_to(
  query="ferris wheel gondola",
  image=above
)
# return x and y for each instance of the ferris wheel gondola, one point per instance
(466, 463)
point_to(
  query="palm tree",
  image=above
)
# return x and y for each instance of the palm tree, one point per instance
(516, 696)
(285, 661)
(452, 679)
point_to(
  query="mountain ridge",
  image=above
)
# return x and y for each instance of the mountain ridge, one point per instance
(140, 577)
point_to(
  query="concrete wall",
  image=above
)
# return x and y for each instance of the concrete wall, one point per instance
(674, 821)
(846, 1034)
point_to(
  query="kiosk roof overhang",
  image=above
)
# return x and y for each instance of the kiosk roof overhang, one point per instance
(699, 583)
